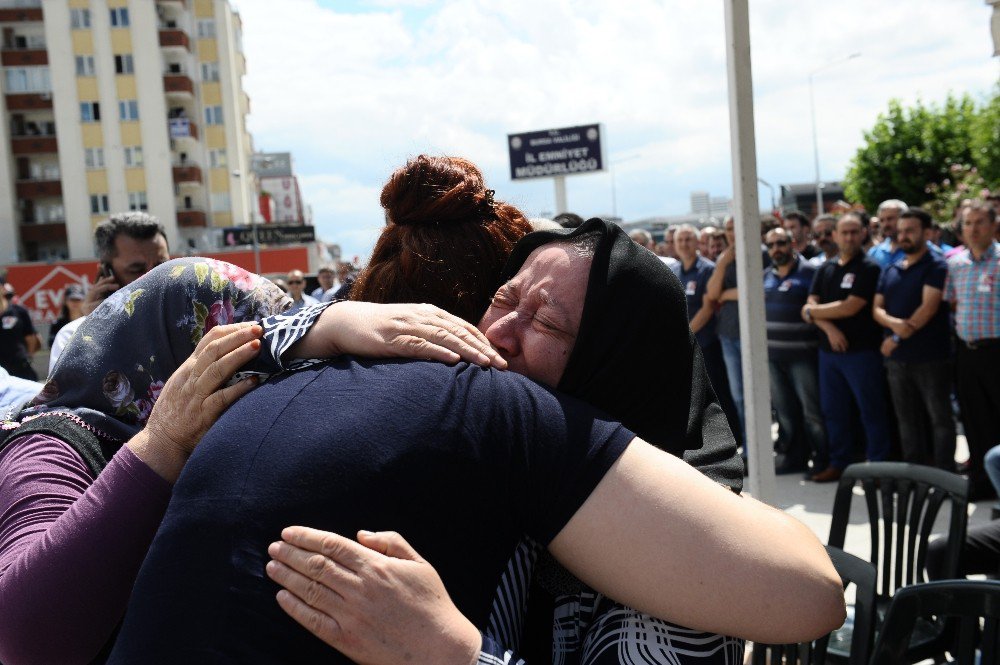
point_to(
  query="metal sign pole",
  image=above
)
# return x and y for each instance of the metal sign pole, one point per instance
(560, 183)
(749, 268)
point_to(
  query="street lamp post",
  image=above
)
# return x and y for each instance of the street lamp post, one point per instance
(815, 137)
(774, 200)
(614, 188)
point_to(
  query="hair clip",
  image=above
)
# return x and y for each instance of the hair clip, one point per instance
(488, 199)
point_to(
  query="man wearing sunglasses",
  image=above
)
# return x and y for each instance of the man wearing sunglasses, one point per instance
(296, 286)
(792, 347)
(823, 227)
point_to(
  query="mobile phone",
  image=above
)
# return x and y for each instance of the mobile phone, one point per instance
(104, 270)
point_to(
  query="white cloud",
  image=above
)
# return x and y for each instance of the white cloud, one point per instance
(353, 94)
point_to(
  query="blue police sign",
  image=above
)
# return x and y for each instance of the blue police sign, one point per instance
(555, 152)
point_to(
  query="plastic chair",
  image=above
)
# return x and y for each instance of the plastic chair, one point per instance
(967, 601)
(903, 501)
(851, 570)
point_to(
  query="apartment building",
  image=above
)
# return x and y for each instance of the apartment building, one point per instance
(112, 105)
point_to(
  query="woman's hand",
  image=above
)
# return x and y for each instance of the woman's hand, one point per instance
(372, 330)
(194, 397)
(376, 602)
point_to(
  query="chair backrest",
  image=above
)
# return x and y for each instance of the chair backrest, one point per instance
(851, 570)
(903, 501)
(971, 602)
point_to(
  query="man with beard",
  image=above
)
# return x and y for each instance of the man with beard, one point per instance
(916, 345)
(791, 356)
(823, 227)
(798, 228)
(889, 252)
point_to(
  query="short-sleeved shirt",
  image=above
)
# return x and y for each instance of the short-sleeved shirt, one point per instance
(884, 255)
(695, 282)
(902, 288)
(858, 277)
(15, 325)
(463, 461)
(788, 336)
(974, 289)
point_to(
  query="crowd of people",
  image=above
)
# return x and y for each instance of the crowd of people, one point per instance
(874, 325)
(178, 500)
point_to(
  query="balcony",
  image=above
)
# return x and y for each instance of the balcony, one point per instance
(38, 189)
(174, 38)
(178, 84)
(29, 101)
(180, 3)
(34, 145)
(187, 174)
(190, 217)
(21, 14)
(20, 57)
(48, 232)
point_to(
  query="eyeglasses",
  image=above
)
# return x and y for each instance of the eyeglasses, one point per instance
(294, 281)
(776, 243)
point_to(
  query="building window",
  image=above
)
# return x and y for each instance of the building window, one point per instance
(99, 204)
(213, 115)
(123, 64)
(27, 79)
(220, 202)
(84, 65)
(206, 29)
(217, 158)
(79, 18)
(94, 158)
(90, 112)
(210, 71)
(128, 109)
(119, 17)
(133, 155)
(137, 201)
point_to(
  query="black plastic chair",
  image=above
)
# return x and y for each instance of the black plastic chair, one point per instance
(903, 501)
(969, 602)
(851, 570)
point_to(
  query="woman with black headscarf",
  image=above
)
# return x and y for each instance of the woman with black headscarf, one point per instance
(635, 358)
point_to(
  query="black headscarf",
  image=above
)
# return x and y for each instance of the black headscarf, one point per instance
(635, 356)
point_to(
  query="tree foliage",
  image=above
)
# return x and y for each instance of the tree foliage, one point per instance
(909, 149)
(986, 140)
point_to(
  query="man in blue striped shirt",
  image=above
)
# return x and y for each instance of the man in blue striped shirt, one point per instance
(791, 352)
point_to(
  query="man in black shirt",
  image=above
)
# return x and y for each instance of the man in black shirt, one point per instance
(850, 367)
(799, 229)
(18, 339)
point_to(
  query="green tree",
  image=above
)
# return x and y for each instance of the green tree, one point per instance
(909, 149)
(986, 140)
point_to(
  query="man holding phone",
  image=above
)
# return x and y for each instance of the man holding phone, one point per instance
(128, 245)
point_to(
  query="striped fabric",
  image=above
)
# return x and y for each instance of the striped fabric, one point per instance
(591, 629)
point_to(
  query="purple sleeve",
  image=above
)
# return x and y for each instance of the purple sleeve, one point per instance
(70, 547)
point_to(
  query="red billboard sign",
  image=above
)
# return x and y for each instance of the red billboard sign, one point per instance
(40, 286)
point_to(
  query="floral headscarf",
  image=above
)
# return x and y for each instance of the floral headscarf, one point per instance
(114, 367)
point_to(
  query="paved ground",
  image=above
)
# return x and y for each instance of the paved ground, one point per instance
(813, 504)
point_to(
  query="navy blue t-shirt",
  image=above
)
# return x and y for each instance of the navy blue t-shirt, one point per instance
(695, 281)
(902, 288)
(462, 461)
(859, 277)
(788, 336)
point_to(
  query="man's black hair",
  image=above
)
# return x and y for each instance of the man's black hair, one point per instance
(861, 216)
(137, 225)
(798, 216)
(926, 221)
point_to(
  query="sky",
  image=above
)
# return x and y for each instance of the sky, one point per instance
(352, 88)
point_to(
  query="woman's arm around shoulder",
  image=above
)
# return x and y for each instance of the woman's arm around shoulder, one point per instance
(690, 552)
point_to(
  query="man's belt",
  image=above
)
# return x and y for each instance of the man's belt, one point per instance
(980, 343)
